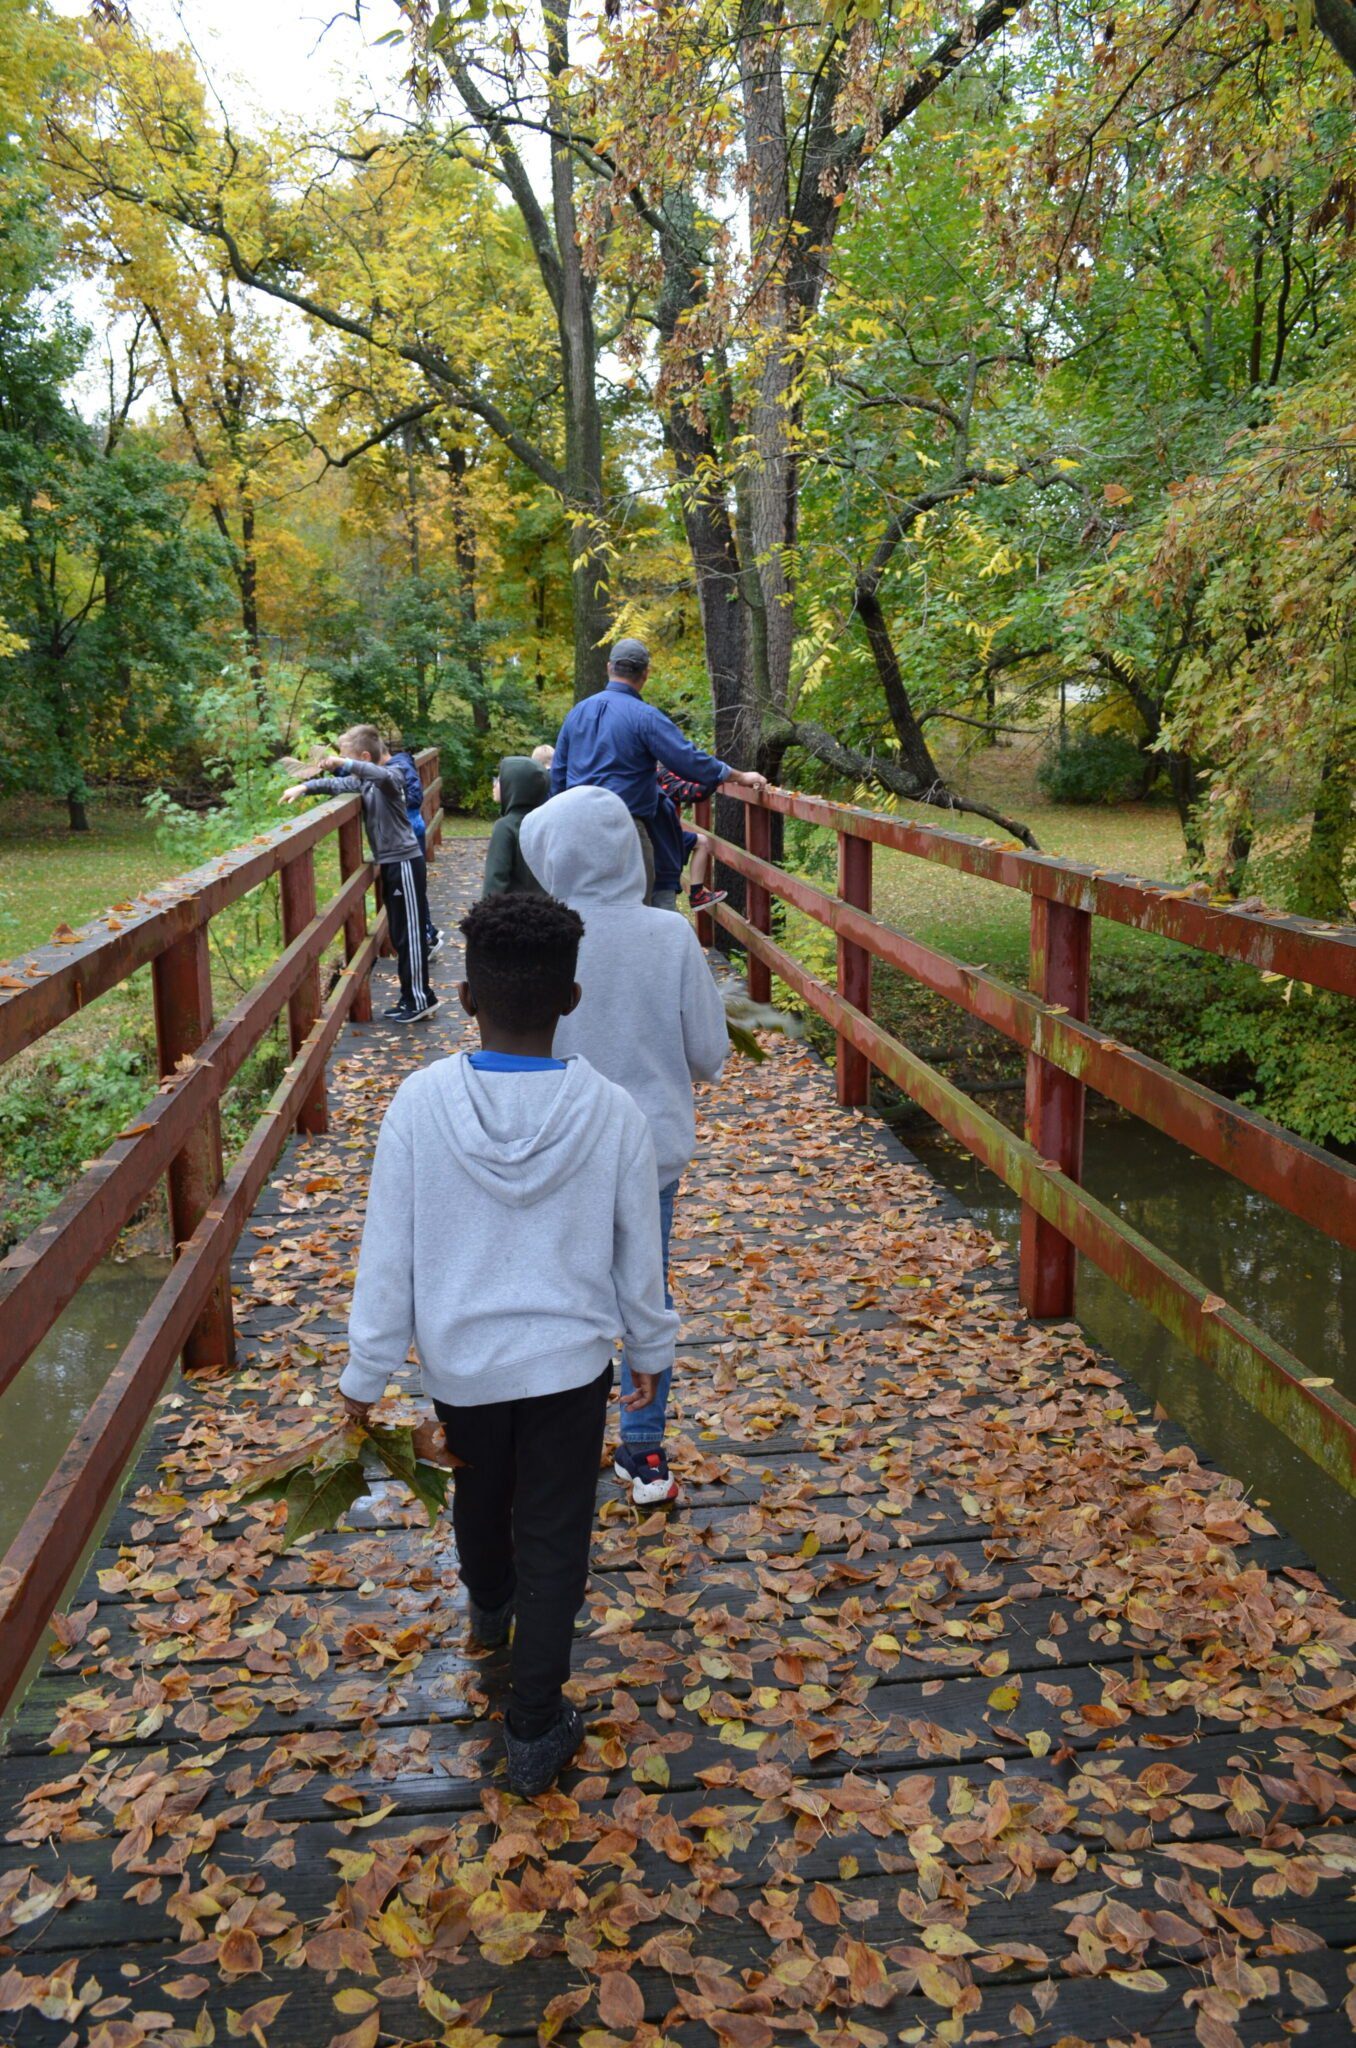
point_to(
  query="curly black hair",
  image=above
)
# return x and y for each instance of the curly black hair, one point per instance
(521, 950)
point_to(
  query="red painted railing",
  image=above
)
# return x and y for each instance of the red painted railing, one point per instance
(1065, 1055)
(178, 1135)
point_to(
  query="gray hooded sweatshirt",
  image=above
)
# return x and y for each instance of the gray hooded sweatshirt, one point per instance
(651, 1016)
(512, 1234)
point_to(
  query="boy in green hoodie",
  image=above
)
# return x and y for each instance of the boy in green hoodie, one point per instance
(520, 786)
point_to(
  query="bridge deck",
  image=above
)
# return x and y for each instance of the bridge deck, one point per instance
(958, 1701)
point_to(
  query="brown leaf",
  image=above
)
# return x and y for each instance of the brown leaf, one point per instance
(364, 2035)
(620, 2004)
(240, 1954)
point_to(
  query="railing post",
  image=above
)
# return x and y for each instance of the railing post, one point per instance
(1061, 951)
(429, 773)
(758, 840)
(181, 979)
(854, 969)
(351, 858)
(706, 924)
(297, 881)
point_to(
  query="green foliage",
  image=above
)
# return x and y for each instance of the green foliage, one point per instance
(102, 578)
(1088, 767)
(322, 1477)
(63, 1109)
(1289, 1051)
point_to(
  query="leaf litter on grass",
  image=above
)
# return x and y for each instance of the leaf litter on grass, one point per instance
(957, 1702)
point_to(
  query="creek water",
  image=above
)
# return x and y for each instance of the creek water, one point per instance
(53, 1392)
(1297, 1285)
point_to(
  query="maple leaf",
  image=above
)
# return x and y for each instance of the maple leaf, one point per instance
(321, 1477)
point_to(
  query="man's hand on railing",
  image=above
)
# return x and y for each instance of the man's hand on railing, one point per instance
(748, 778)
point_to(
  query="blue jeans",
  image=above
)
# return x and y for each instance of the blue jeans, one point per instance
(642, 1429)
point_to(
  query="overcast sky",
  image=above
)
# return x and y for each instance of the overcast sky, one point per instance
(285, 58)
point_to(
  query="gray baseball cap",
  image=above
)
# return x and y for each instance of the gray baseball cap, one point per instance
(630, 655)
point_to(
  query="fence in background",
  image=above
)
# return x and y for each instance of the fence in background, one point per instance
(178, 1135)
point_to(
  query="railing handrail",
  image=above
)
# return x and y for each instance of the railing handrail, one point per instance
(1065, 1051)
(178, 1134)
(1301, 949)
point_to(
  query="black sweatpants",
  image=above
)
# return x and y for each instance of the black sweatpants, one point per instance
(404, 891)
(522, 1513)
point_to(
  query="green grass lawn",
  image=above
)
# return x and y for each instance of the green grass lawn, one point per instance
(983, 921)
(50, 875)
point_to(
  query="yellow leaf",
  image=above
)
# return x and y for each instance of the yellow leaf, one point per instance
(948, 1941)
(1005, 1697)
(1138, 1980)
(370, 1820)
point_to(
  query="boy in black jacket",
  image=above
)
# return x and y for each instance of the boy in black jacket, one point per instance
(364, 769)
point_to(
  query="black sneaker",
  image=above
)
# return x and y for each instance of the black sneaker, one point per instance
(435, 942)
(647, 1475)
(410, 1013)
(490, 1625)
(534, 1766)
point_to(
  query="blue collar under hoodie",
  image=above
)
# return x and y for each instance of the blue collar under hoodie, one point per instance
(512, 1234)
(650, 1016)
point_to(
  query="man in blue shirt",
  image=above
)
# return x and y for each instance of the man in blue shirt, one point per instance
(615, 740)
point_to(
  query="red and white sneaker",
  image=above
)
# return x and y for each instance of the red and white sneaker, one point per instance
(702, 898)
(647, 1475)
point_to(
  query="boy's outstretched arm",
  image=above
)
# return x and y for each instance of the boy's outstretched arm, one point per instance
(381, 1319)
(650, 1329)
(384, 773)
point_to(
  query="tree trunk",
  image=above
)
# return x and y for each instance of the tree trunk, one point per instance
(248, 578)
(1237, 855)
(915, 753)
(76, 812)
(772, 486)
(585, 500)
(464, 555)
(1320, 886)
(1185, 784)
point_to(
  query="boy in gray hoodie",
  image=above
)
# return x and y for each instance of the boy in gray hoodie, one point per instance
(365, 769)
(650, 1018)
(512, 1233)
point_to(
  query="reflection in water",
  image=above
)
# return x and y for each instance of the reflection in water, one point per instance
(47, 1403)
(1297, 1285)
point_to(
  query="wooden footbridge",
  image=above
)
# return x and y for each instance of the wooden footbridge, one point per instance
(959, 1701)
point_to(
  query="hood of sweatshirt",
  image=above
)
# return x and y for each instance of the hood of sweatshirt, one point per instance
(583, 848)
(518, 1135)
(523, 784)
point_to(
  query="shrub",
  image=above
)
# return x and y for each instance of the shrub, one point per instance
(63, 1109)
(1092, 768)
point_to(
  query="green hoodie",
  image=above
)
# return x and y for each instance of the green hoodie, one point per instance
(522, 786)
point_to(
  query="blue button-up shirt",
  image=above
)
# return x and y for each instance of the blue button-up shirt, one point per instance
(615, 740)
